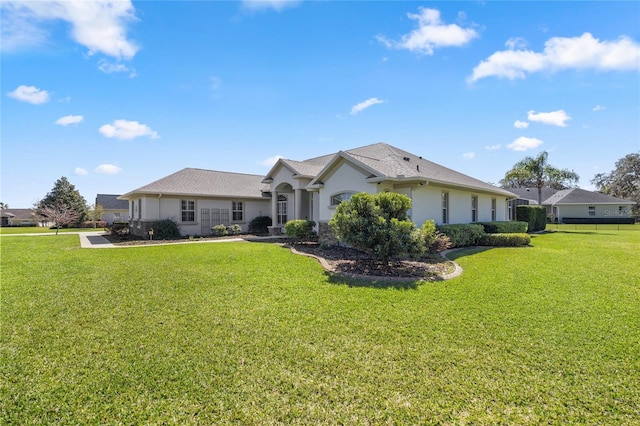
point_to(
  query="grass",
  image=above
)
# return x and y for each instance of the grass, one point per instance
(247, 333)
(15, 230)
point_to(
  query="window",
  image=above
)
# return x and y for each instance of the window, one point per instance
(282, 209)
(592, 210)
(139, 208)
(493, 209)
(622, 211)
(474, 208)
(188, 210)
(237, 211)
(338, 198)
(445, 207)
(116, 216)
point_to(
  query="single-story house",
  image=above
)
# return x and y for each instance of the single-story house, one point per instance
(577, 205)
(312, 189)
(114, 209)
(19, 217)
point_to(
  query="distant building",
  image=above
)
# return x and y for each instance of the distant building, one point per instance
(19, 217)
(114, 210)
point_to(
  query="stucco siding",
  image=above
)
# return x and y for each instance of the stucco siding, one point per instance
(601, 211)
(345, 178)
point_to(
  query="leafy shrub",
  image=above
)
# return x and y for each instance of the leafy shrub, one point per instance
(433, 240)
(462, 235)
(219, 230)
(535, 216)
(504, 227)
(235, 229)
(299, 228)
(260, 225)
(441, 243)
(165, 229)
(505, 240)
(90, 224)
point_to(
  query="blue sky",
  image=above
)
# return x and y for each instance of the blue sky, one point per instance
(116, 94)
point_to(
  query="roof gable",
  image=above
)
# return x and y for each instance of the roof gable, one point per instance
(582, 196)
(111, 202)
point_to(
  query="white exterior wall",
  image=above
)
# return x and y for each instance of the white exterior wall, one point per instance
(582, 211)
(344, 178)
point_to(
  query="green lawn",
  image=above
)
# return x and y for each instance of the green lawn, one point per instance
(13, 230)
(247, 333)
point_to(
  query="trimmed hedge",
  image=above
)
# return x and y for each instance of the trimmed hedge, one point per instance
(504, 227)
(535, 216)
(462, 235)
(299, 228)
(165, 229)
(505, 240)
(259, 225)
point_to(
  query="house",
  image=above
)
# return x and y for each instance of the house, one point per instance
(576, 205)
(312, 189)
(19, 217)
(114, 210)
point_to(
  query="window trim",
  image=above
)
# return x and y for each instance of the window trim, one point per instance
(591, 210)
(474, 208)
(342, 195)
(494, 209)
(187, 210)
(235, 210)
(444, 198)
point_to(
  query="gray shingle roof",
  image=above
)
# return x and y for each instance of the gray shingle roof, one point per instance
(582, 196)
(532, 193)
(18, 213)
(209, 183)
(111, 202)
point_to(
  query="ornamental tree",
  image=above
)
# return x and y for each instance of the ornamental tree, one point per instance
(377, 224)
(60, 214)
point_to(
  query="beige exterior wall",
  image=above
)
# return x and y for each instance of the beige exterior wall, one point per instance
(601, 211)
(344, 178)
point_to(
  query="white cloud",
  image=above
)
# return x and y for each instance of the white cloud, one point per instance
(555, 118)
(524, 143)
(430, 34)
(560, 53)
(277, 5)
(30, 94)
(270, 161)
(520, 124)
(364, 105)
(597, 108)
(108, 169)
(125, 129)
(69, 119)
(516, 43)
(80, 171)
(100, 26)
(110, 68)
(492, 147)
(469, 155)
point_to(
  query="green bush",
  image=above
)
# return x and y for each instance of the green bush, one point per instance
(433, 240)
(260, 225)
(165, 229)
(462, 235)
(505, 240)
(504, 227)
(535, 216)
(299, 228)
(219, 230)
(235, 229)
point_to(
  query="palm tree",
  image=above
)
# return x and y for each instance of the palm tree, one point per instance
(537, 173)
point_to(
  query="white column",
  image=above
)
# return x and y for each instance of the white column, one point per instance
(274, 208)
(298, 204)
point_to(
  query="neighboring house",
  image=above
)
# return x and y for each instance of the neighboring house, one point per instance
(312, 189)
(114, 210)
(19, 217)
(576, 205)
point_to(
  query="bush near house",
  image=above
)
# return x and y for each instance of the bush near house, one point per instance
(505, 240)
(235, 229)
(219, 230)
(299, 228)
(535, 216)
(462, 235)
(259, 225)
(433, 240)
(504, 227)
(165, 229)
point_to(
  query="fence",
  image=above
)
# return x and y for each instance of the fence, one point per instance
(593, 226)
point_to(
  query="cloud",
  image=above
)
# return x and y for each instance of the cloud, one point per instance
(110, 68)
(270, 161)
(516, 43)
(69, 119)
(555, 118)
(597, 108)
(561, 53)
(364, 105)
(430, 34)
(520, 124)
(30, 94)
(80, 171)
(524, 143)
(108, 169)
(492, 147)
(100, 26)
(469, 155)
(125, 129)
(277, 5)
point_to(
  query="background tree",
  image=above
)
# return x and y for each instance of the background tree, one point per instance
(537, 173)
(95, 213)
(64, 192)
(60, 214)
(4, 206)
(623, 181)
(378, 225)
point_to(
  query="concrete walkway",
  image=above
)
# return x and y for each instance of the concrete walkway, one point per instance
(94, 240)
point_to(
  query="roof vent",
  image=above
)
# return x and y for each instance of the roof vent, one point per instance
(417, 167)
(405, 158)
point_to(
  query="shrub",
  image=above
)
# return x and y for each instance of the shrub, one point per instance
(260, 225)
(90, 224)
(219, 230)
(505, 240)
(299, 228)
(535, 216)
(504, 227)
(463, 234)
(433, 240)
(235, 229)
(441, 243)
(165, 229)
